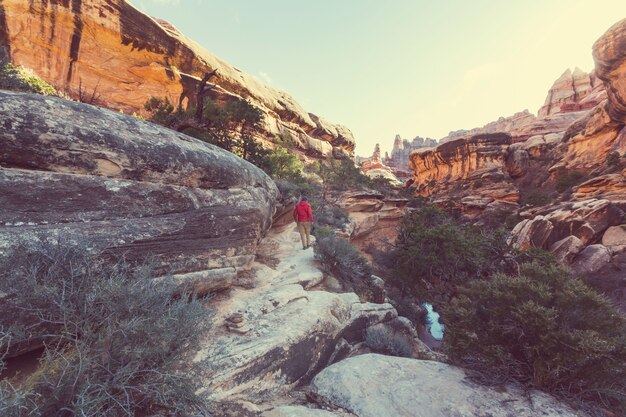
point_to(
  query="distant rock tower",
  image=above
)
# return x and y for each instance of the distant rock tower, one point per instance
(376, 159)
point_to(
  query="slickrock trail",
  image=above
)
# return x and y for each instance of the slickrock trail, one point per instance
(294, 325)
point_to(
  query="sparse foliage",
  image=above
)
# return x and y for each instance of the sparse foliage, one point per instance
(16, 78)
(341, 259)
(383, 340)
(113, 341)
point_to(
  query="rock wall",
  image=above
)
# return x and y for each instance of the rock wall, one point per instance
(109, 53)
(84, 175)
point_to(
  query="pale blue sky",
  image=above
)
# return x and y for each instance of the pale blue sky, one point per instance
(412, 67)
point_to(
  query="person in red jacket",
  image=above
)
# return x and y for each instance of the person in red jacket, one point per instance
(303, 215)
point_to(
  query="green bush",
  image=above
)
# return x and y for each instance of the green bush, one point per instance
(341, 259)
(566, 180)
(16, 78)
(433, 253)
(281, 163)
(332, 216)
(114, 341)
(383, 340)
(544, 327)
(536, 198)
(613, 160)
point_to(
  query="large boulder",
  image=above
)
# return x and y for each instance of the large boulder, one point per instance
(374, 385)
(102, 180)
(615, 238)
(591, 259)
(567, 248)
(531, 233)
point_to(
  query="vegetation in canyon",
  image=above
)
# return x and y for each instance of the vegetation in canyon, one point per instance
(112, 341)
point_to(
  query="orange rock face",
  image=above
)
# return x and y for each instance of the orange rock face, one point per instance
(580, 125)
(591, 139)
(573, 91)
(109, 53)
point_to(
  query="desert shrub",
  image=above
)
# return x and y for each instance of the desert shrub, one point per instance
(16, 78)
(332, 216)
(281, 163)
(613, 160)
(321, 232)
(341, 259)
(545, 328)
(433, 253)
(383, 340)
(536, 198)
(566, 180)
(114, 342)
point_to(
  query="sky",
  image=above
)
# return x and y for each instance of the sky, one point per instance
(408, 67)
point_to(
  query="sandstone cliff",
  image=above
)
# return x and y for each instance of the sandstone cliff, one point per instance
(562, 172)
(109, 182)
(109, 53)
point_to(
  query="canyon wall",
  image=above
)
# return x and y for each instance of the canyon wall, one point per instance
(563, 173)
(107, 52)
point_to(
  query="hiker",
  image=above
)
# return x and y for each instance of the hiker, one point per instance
(303, 215)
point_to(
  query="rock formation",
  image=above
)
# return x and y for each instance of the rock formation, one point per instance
(573, 91)
(563, 172)
(385, 386)
(75, 173)
(107, 52)
(296, 326)
(375, 167)
(402, 148)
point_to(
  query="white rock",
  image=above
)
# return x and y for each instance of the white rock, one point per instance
(374, 385)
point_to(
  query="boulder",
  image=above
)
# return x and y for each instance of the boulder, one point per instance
(615, 238)
(374, 385)
(586, 219)
(591, 259)
(87, 176)
(566, 249)
(531, 233)
(364, 223)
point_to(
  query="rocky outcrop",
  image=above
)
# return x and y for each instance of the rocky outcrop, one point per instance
(383, 386)
(573, 91)
(84, 175)
(109, 53)
(457, 159)
(401, 151)
(295, 326)
(609, 53)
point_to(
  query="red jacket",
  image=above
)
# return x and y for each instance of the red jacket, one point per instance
(302, 212)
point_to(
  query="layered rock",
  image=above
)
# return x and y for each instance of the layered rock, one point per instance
(385, 386)
(295, 326)
(573, 91)
(83, 175)
(109, 53)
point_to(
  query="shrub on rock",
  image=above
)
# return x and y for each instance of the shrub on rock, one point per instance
(341, 259)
